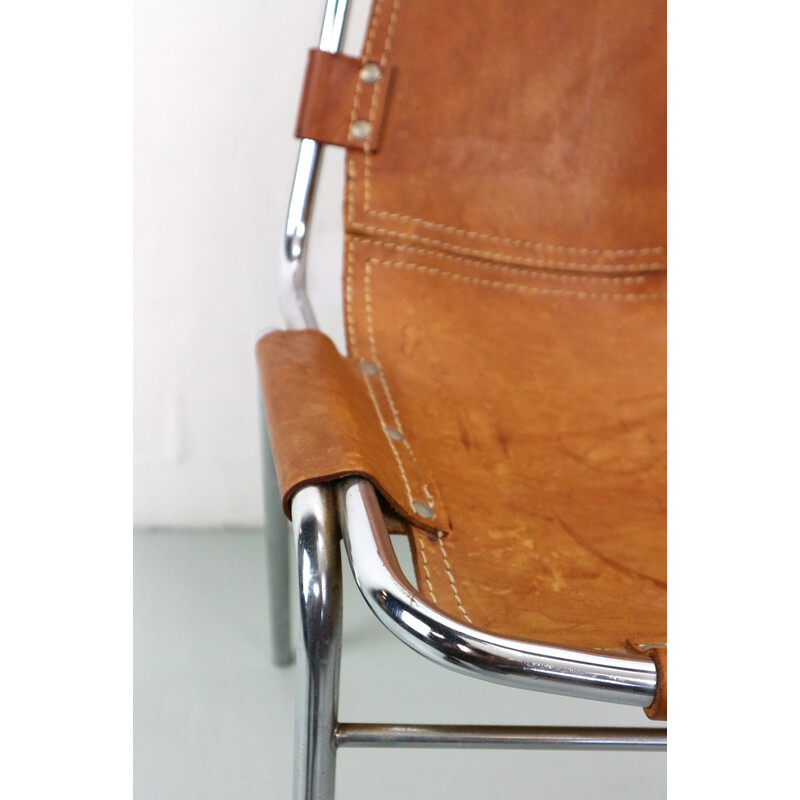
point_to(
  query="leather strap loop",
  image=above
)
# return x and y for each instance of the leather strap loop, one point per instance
(343, 101)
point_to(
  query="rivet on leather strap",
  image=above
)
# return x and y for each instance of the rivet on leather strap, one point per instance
(343, 101)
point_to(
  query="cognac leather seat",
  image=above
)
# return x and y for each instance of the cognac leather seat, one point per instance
(505, 307)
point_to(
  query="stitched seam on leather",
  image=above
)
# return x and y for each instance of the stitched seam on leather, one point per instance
(364, 60)
(628, 280)
(450, 577)
(421, 541)
(381, 374)
(373, 28)
(348, 297)
(523, 288)
(471, 234)
(354, 349)
(387, 42)
(656, 266)
(387, 393)
(388, 438)
(382, 377)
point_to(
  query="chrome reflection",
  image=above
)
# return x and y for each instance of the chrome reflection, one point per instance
(445, 640)
(292, 296)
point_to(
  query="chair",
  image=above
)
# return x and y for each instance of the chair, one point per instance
(503, 399)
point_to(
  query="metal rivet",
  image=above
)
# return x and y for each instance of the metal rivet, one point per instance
(360, 129)
(394, 433)
(367, 368)
(370, 73)
(423, 509)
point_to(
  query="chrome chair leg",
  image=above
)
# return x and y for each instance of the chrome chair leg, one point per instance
(277, 540)
(319, 570)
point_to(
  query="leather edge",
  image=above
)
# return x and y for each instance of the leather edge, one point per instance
(657, 710)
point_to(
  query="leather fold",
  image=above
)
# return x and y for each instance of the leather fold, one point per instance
(343, 101)
(657, 710)
(324, 425)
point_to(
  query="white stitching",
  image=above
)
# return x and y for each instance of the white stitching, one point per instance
(384, 58)
(524, 288)
(381, 373)
(470, 234)
(388, 438)
(524, 260)
(421, 540)
(359, 83)
(348, 297)
(439, 537)
(574, 251)
(365, 59)
(387, 42)
(486, 265)
(382, 377)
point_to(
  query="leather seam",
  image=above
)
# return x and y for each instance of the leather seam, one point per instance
(348, 296)
(421, 540)
(450, 576)
(396, 414)
(467, 233)
(501, 240)
(364, 60)
(627, 280)
(376, 87)
(403, 475)
(656, 266)
(520, 287)
(387, 393)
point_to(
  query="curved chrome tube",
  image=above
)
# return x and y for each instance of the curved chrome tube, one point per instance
(292, 294)
(319, 572)
(590, 674)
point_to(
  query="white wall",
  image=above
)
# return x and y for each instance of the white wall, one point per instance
(216, 85)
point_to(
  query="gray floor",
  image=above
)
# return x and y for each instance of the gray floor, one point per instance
(213, 717)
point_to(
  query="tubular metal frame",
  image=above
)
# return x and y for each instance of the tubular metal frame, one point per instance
(446, 641)
(322, 515)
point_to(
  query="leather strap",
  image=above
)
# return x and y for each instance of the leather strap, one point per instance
(658, 709)
(343, 101)
(323, 425)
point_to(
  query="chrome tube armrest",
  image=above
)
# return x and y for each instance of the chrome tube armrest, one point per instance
(591, 674)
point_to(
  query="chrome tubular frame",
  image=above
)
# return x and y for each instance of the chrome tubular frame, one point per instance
(319, 571)
(292, 295)
(277, 547)
(629, 680)
(446, 641)
(297, 313)
(505, 737)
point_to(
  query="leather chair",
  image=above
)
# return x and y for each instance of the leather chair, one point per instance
(503, 399)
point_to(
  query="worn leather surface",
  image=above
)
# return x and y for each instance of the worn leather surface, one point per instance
(506, 274)
(537, 404)
(529, 131)
(334, 97)
(323, 423)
